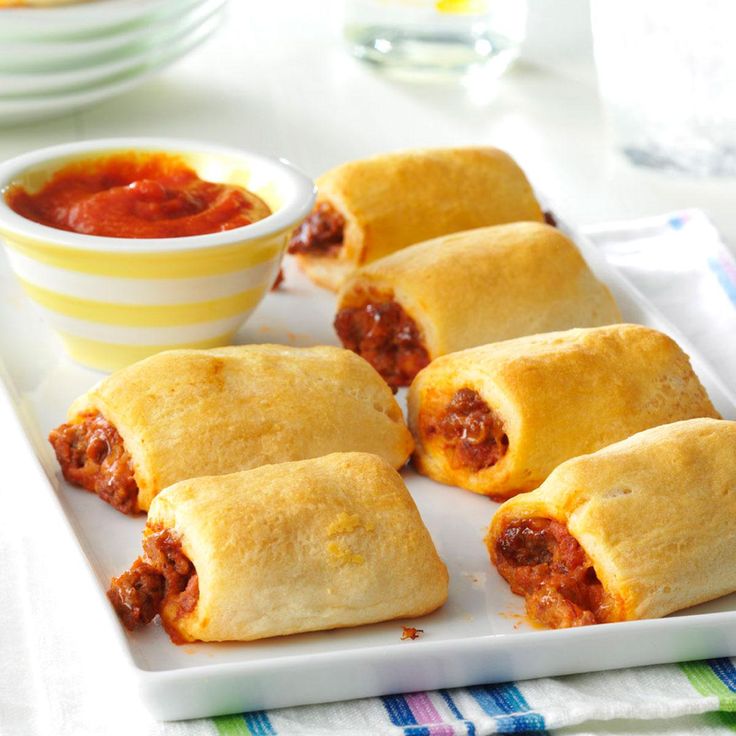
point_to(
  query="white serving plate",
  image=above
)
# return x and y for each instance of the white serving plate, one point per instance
(479, 636)
(24, 109)
(79, 21)
(53, 53)
(61, 79)
(25, 59)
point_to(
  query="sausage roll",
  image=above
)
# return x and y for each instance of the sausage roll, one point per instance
(639, 529)
(186, 413)
(367, 209)
(467, 289)
(303, 546)
(498, 419)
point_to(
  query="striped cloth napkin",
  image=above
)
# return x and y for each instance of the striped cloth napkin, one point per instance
(57, 675)
(686, 699)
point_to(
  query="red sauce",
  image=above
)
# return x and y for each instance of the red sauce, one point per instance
(136, 196)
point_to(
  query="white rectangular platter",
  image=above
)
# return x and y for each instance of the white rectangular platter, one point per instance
(479, 636)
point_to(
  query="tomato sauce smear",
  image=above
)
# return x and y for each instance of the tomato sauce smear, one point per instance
(136, 195)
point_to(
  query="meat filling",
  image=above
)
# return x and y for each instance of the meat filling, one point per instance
(320, 234)
(387, 337)
(163, 572)
(473, 434)
(543, 562)
(549, 218)
(92, 455)
(137, 594)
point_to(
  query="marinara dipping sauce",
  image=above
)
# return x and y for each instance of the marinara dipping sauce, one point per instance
(136, 195)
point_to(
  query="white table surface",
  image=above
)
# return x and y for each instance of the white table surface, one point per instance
(276, 79)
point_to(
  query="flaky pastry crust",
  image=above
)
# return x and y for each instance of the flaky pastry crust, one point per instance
(557, 395)
(656, 514)
(304, 546)
(397, 199)
(188, 413)
(487, 285)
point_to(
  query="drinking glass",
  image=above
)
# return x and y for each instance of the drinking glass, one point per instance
(667, 77)
(436, 36)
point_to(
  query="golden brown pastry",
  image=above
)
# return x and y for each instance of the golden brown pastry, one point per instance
(304, 546)
(467, 289)
(638, 529)
(186, 413)
(498, 419)
(369, 208)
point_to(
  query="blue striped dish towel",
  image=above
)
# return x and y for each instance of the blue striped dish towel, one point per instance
(696, 698)
(680, 264)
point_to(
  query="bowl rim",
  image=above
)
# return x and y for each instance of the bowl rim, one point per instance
(294, 209)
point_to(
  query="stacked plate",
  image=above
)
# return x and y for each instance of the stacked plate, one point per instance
(58, 59)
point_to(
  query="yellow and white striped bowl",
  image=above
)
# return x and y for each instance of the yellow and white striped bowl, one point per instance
(116, 300)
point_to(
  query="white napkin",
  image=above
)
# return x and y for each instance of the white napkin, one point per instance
(679, 263)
